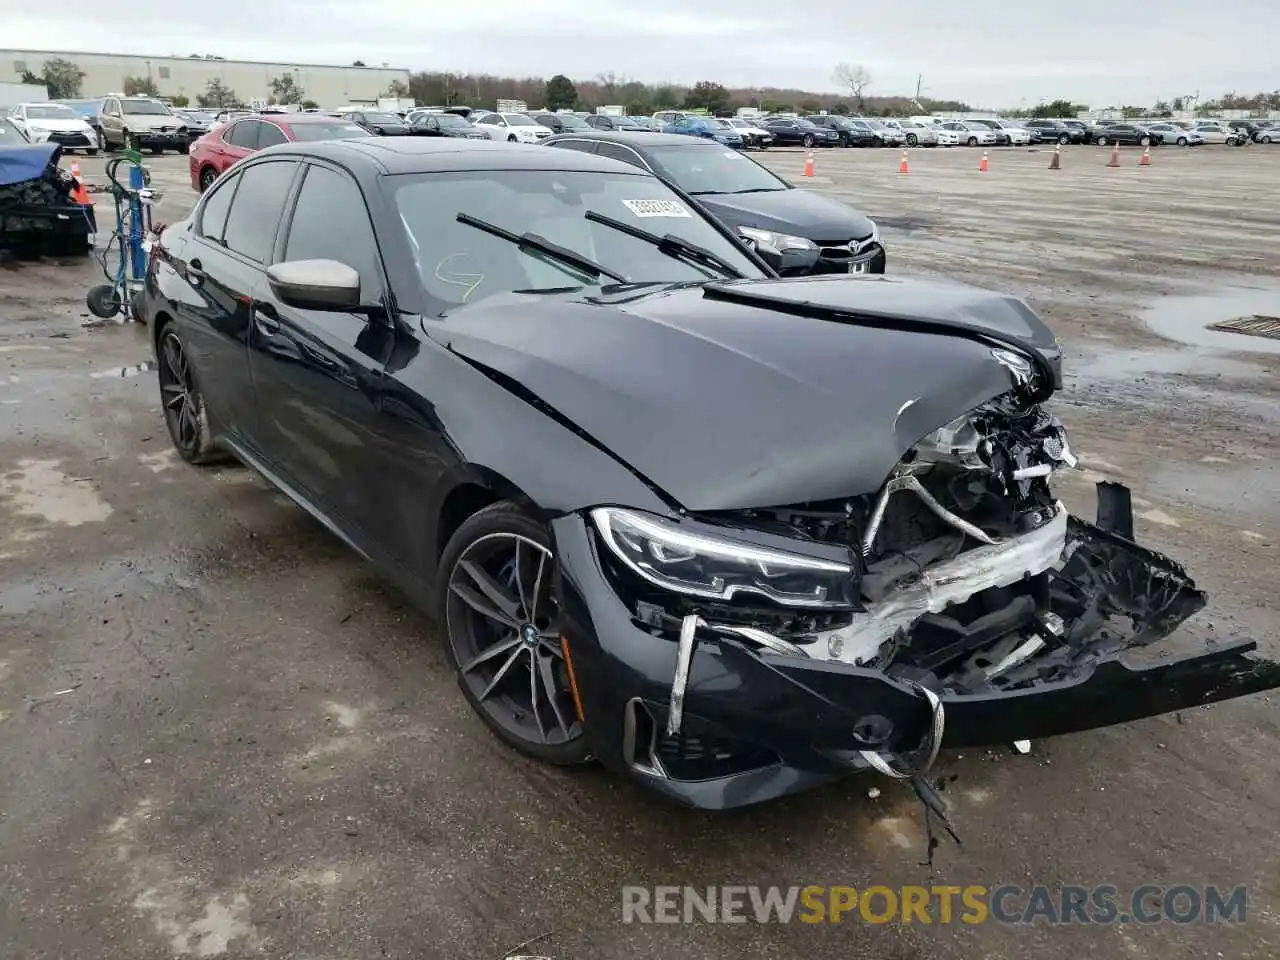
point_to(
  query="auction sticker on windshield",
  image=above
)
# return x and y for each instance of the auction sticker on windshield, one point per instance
(656, 208)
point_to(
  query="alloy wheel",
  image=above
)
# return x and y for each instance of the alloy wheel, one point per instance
(179, 395)
(502, 621)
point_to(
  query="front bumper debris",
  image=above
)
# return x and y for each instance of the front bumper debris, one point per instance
(734, 715)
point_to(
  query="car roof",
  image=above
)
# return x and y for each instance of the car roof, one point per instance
(396, 155)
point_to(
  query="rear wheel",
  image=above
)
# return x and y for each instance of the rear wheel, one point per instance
(102, 141)
(1182, 141)
(973, 141)
(184, 410)
(1102, 141)
(912, 140)
(1064, 139)
(207, 176)
(511, 139)
(1144, 141)
(497, 599)
(808, 140)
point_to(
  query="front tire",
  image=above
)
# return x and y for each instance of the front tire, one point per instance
(511, 139)
(1064, 140)
(1102, 141)
(1144, 141)
(183, 403)
(807, 140)
(912, 140)
(495, 596)
(973, 141)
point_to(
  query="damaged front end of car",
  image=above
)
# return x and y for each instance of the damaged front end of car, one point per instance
(729, 657)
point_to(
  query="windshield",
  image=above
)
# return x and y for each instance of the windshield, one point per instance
(518, 120)
(151, 108)
(86, 108)
(382, 118)
(197, 117)
(9, 134)
(51, 111)
(626, 123)
(708, 168)
(449, 120)
(573, 123)
(327, 130)
(459, 264)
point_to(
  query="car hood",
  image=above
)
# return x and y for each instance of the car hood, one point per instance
(800, 212)
(723, 404)
(77, 125)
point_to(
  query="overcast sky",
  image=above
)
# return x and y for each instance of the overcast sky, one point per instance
(988, 52)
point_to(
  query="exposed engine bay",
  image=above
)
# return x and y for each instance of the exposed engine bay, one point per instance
(972, 576)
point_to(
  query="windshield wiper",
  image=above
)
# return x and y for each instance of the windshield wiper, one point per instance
(734, 193)
(532, 241)
(669, 244)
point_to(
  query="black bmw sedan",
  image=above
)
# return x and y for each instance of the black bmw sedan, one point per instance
(797, 232)
(730, 534)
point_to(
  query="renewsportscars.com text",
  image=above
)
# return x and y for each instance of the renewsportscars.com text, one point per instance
(1103, 904)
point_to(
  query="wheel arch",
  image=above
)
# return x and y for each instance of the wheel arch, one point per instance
(472, 489)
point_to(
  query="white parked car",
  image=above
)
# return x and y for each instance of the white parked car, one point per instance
(752, 135)
(919, 134)
(513, 127)
(1212, 132)
(971, 134)
(55, 123)
(1176, 134)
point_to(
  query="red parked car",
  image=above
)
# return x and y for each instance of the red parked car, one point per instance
(221, 147)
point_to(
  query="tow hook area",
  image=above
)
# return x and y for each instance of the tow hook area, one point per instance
(913, 767)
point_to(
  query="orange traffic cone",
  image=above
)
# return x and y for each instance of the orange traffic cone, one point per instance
(808, 164)
(983, 163)
(1145, 160)
(1055, 162)
(1115, 156)
(902, 167)
(78, 193)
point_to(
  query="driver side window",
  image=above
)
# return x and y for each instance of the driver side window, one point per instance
(331, 222)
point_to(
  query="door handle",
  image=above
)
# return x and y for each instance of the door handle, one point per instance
(266, 318)
(195, 271)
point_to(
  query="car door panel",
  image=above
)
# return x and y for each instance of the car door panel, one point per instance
(211, 311)
(319, 375)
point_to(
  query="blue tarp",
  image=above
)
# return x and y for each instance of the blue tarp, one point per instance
(27, 161)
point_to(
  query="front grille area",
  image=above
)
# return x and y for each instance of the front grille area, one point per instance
(689, 757)
(69, 139)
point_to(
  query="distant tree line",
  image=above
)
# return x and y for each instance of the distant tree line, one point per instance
(608, 89)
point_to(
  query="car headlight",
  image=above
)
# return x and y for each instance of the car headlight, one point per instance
(706, 565)
(875, 232)
(776, 242)
(37, 133)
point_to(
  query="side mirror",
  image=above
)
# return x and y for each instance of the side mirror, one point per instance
(316, 285)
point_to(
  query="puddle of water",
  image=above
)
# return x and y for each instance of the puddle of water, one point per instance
(1185, 319)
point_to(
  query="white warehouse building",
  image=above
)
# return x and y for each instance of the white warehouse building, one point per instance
(328, 85)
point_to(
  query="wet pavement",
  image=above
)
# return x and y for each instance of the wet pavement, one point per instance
(222, 735)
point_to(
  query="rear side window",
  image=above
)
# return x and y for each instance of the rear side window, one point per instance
(269, 135)
(331, 222)
(255, 213)
(615, 152)
(243, 134)
(213, 218)
(582, 146)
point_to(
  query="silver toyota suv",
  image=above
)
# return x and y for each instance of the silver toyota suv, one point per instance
(141, 123)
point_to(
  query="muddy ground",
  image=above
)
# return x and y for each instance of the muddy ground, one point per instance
(221, 735)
